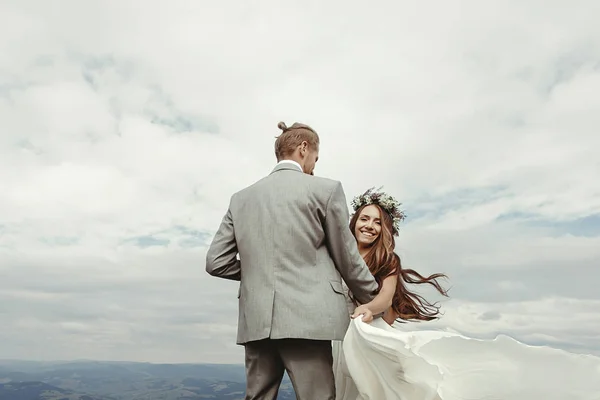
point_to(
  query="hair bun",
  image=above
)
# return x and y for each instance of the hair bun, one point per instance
(281, 125)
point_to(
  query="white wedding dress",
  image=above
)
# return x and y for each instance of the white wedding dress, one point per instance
(377, 361)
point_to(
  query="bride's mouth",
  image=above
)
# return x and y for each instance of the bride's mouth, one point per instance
(367, 234)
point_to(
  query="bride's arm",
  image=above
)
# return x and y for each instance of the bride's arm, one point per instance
(383, 301)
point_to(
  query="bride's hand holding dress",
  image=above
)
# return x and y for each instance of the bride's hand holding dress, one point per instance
(381, 303)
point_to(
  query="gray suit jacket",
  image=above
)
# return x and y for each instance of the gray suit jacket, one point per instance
(291, 233)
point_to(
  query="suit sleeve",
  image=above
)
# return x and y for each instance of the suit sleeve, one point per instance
(344, 251)
(221, 258)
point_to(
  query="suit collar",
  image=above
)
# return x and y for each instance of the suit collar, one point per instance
(287, 165)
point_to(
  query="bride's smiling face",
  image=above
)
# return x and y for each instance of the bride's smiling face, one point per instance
(368, 226)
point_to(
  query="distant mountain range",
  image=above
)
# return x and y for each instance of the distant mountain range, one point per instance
(93, 380)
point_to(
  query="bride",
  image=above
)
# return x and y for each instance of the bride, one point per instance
(380, 359)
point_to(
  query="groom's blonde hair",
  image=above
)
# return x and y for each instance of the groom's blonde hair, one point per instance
(292, 137)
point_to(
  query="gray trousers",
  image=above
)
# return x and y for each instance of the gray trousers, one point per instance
(309, 364)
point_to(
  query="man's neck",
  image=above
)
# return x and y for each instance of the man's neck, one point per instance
(296, 163)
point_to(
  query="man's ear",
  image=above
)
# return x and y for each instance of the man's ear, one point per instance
(303, 147)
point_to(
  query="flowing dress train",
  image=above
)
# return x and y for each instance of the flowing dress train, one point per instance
(377, 361)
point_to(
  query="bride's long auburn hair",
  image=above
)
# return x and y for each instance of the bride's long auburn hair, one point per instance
(383, 262)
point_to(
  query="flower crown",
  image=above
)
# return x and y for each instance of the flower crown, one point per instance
(385, 201)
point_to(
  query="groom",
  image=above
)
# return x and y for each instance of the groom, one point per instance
(290, 230)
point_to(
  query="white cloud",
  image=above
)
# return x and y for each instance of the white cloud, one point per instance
(126, 125)
(536, 322)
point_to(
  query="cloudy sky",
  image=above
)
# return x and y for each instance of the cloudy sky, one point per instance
(126, 125)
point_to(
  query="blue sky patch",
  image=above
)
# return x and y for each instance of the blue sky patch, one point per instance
(441, 205)
(588, 226)
(149, 241)
(57, 241)
(184, 237)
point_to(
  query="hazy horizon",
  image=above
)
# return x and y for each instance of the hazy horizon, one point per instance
(81, 360)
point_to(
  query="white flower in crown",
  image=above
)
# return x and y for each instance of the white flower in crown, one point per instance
(389, 204)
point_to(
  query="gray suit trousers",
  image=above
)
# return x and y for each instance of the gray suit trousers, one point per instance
(309, 364)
